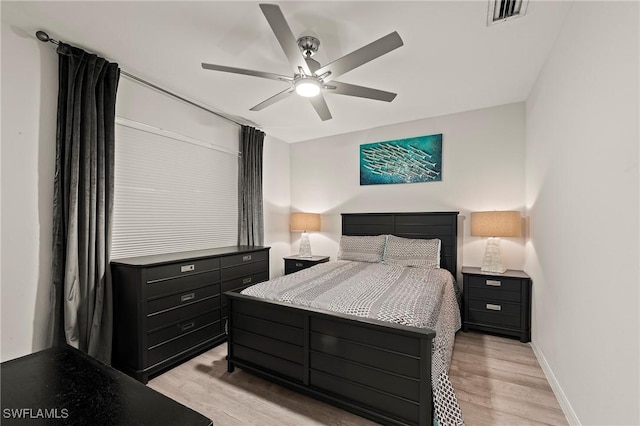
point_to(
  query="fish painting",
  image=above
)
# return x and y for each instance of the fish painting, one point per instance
(417, 159)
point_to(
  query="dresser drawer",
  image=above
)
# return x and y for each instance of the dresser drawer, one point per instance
(183, 298)
(177, 285)
(181, 269)
(241, 259)
(175, 315)
(188, 325)
(183, 343)
(243, 282)
(234, 272)
(239, 285)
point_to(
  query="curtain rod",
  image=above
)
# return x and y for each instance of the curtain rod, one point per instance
(44, 37)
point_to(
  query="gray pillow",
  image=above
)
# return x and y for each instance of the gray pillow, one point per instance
(368, 248)
(414, 252)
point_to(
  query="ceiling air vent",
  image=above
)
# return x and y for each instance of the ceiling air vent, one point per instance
(503, 10)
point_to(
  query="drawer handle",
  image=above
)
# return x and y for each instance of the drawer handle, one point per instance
(187, 297)
(494, 283)
(494, 307)
(187, 268)
(245, 258)
(246, 280)
(188, 325)
(299, 265)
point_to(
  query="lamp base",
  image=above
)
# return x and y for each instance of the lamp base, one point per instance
(305, 246)
(492, 261)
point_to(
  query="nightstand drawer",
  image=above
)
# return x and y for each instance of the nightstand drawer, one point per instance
(494, 313)
(495, 307)
(291, 266)
(491, 318)
(503, 284)
(493, 294)
(493, 288)
(294, 263)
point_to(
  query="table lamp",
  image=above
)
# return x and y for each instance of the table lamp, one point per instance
(495, 224)
(304, 222)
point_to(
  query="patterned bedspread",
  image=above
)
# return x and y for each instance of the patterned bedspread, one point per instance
(417, 297)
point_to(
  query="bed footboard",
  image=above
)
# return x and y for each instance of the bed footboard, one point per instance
(378, 370)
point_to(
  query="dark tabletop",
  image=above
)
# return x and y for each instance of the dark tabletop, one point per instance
(63, 386)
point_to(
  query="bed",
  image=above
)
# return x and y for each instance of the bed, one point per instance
(372, 367)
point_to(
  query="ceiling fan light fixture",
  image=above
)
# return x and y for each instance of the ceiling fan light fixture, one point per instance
(308, 87)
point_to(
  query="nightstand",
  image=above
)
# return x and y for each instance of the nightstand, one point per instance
(497, 303)
(294, 263)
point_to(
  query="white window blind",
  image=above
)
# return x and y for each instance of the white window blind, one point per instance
(172, 193)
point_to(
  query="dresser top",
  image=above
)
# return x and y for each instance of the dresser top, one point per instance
(509, 273)
(157, 259)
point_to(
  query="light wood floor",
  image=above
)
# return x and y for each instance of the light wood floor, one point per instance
(497, 381)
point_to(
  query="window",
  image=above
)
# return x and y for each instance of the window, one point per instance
(172, 193)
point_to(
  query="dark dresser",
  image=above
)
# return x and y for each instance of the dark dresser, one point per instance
(296, 263)
(170, 307)
(497, 303)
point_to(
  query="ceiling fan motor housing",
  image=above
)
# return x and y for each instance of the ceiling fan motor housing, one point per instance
(308, 45)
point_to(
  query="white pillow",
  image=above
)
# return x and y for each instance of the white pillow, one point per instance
(414, 252)
(369, 248)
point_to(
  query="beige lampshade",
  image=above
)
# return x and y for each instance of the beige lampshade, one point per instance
(495, 224)
(304, 222)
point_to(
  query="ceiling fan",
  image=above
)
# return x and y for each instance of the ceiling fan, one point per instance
(310, 79)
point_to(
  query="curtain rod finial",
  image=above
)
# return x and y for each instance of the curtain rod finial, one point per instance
(42, 36)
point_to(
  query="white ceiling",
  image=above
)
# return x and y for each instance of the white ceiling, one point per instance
(451, 60)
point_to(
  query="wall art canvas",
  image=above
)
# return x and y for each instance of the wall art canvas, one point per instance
(408, 160)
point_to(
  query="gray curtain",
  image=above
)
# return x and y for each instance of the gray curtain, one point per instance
(83, 202)
(251, 221)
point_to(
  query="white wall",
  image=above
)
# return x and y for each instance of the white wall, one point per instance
(582, 198)
(29, 105)
(145, 105)
(482, 169)
(275, 187)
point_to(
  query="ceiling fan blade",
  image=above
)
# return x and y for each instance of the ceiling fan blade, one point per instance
(320, 105)
(244, 71)
(361, 56)
(285, 37)
(272, 100)
(360, 91)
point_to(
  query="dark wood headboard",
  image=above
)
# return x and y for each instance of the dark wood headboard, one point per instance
(442, 225)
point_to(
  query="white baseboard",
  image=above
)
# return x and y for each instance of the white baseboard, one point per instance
(566, 407)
